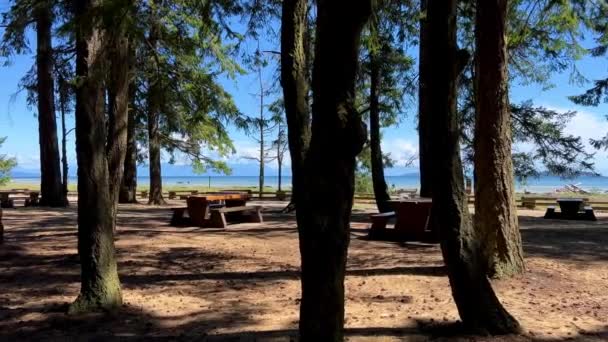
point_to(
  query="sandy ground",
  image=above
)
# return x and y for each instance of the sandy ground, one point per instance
(242, 284)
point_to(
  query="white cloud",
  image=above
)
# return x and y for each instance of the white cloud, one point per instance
(27, 161)
(588, 125)
(401, 150)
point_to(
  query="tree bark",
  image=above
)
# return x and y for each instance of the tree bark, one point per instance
(338, 135)
(128, 188)
(50, 173)
(495, 211)
(64, 135)
(100, 286)
(294, 80)
(154, 107)
(118, 98)
(425, 124)
(156, 185)
(478, 306)
(377, 163)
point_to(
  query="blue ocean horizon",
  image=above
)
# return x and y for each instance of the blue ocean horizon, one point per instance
(543, 184)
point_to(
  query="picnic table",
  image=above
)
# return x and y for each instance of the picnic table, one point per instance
(571, 209)
(7, 197)
(412, 220)
(210, 210)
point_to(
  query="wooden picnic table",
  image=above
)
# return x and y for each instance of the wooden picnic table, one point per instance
(6, 201)
(199, 206)
(412, 220)
(570, 207)
(412, 214)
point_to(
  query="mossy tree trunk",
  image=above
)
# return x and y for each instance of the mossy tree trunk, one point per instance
(338, 134)
(495, 210)
(294, 80)
(50, 172)
(425, 123)
(100, 286)
(478, 306)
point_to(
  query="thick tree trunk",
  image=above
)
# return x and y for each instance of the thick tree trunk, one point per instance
(478, 306)
(100, 286)
(128, 188)
(294, 79)
(495, 211)
(154, 108)
(425, 123)
(338, 135)
(50, 173)
(377, 163)
(118, 96)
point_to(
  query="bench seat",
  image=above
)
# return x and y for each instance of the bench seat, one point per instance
(380, 220)
(178, 216)
(218, 215)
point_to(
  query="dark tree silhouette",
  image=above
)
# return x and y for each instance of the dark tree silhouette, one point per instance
(338, 135)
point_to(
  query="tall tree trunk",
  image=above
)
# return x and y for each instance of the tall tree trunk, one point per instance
(338, 134)
(154, 108)
(50, 174)
(128, 188)
(294, 80)
(64, 135)
(425, 123)
(156, 185)
(377, 163)
(261, 174)
(100, 286)
(478, 306)
(118, 98)
(495, 211)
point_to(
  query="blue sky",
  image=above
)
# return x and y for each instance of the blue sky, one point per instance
(19, 124)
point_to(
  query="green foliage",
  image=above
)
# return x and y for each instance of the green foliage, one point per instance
(363, 182)
(6, 165)
(189, 57)
(545, 37)
(385, 41)
(597, 21)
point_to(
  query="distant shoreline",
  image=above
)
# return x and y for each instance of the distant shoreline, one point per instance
(543, 184)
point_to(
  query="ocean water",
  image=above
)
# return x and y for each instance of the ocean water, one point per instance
(542, 184)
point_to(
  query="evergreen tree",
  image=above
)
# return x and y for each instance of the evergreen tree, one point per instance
(295, 60)
(6, 164)
(22, 15)
(478, 306)
(495, 212)
(386, 80)
(100, 285)
(326, 198)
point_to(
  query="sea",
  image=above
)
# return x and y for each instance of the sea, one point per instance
(543, 184)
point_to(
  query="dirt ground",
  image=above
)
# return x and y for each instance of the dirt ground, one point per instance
(242, 284)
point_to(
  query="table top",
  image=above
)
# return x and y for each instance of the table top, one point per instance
(220, 197)
(18, 191)
(570, 200)
(412, 200)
